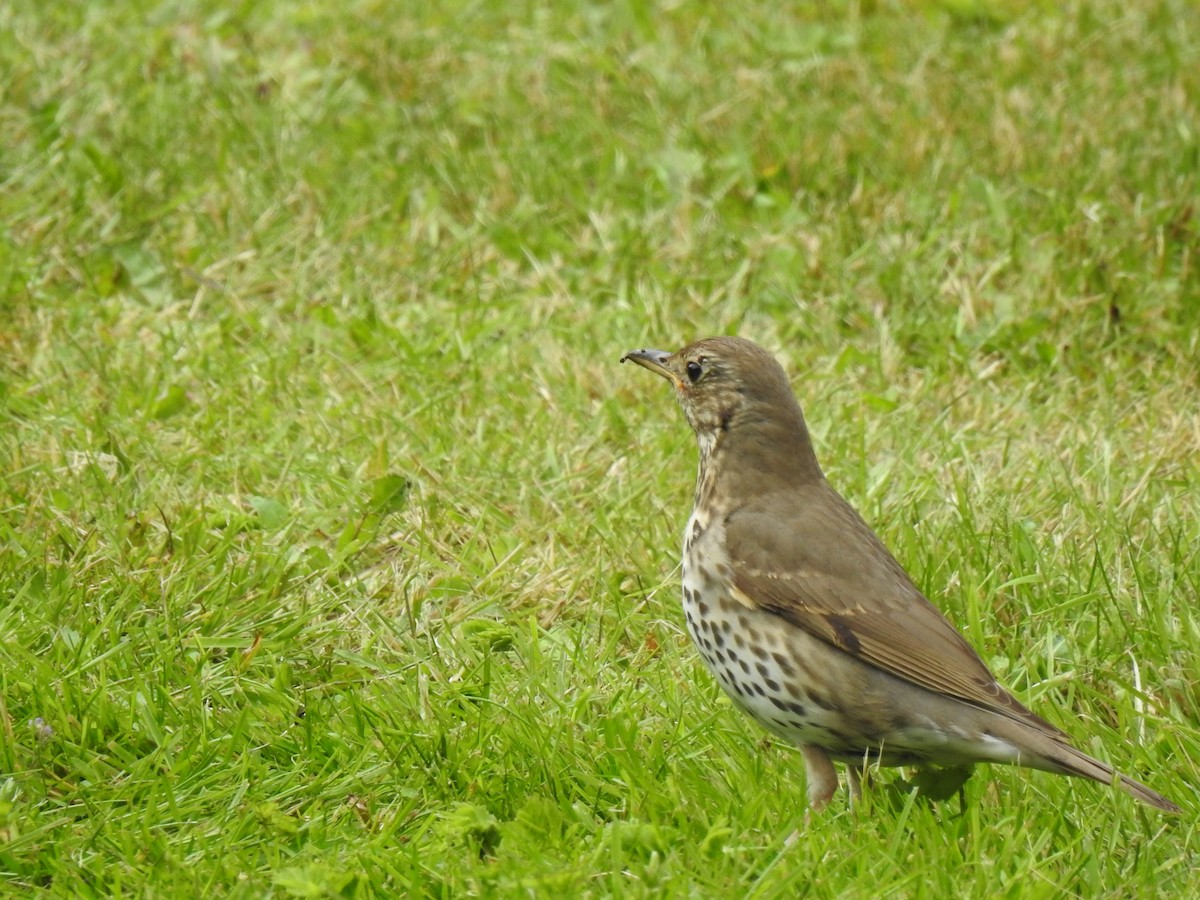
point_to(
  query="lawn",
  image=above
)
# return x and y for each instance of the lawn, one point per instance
(339, 556)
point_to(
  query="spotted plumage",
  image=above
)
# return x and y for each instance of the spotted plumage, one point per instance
(806, 620)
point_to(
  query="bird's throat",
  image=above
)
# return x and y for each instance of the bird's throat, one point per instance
(710, 445)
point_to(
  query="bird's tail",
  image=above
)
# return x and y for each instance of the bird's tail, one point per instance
(1054, 755)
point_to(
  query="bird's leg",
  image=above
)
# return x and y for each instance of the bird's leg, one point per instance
(821, 776)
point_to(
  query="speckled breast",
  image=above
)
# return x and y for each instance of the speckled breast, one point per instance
(760, 661)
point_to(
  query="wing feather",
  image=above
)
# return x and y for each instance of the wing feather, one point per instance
(808, 557)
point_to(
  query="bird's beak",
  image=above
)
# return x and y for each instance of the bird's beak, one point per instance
(654, 360)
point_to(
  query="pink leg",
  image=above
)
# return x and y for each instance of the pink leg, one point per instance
(822, 779)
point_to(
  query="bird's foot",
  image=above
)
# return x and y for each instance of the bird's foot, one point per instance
(935, 783)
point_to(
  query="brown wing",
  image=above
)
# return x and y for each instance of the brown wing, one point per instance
(809, 557)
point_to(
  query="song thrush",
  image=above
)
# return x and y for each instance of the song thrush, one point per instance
(806, 619)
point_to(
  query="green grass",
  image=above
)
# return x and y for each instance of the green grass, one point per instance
(338, 556)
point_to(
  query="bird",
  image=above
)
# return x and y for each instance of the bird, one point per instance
(804, 617)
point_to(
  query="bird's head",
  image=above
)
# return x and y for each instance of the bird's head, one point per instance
(722, 382)
(733, 390)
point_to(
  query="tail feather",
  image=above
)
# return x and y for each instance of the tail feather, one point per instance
(1139, 791)
(1055, 755)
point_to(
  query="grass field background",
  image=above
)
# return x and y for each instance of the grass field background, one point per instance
(338, 556)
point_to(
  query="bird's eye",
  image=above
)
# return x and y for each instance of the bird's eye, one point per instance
(693, 371)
